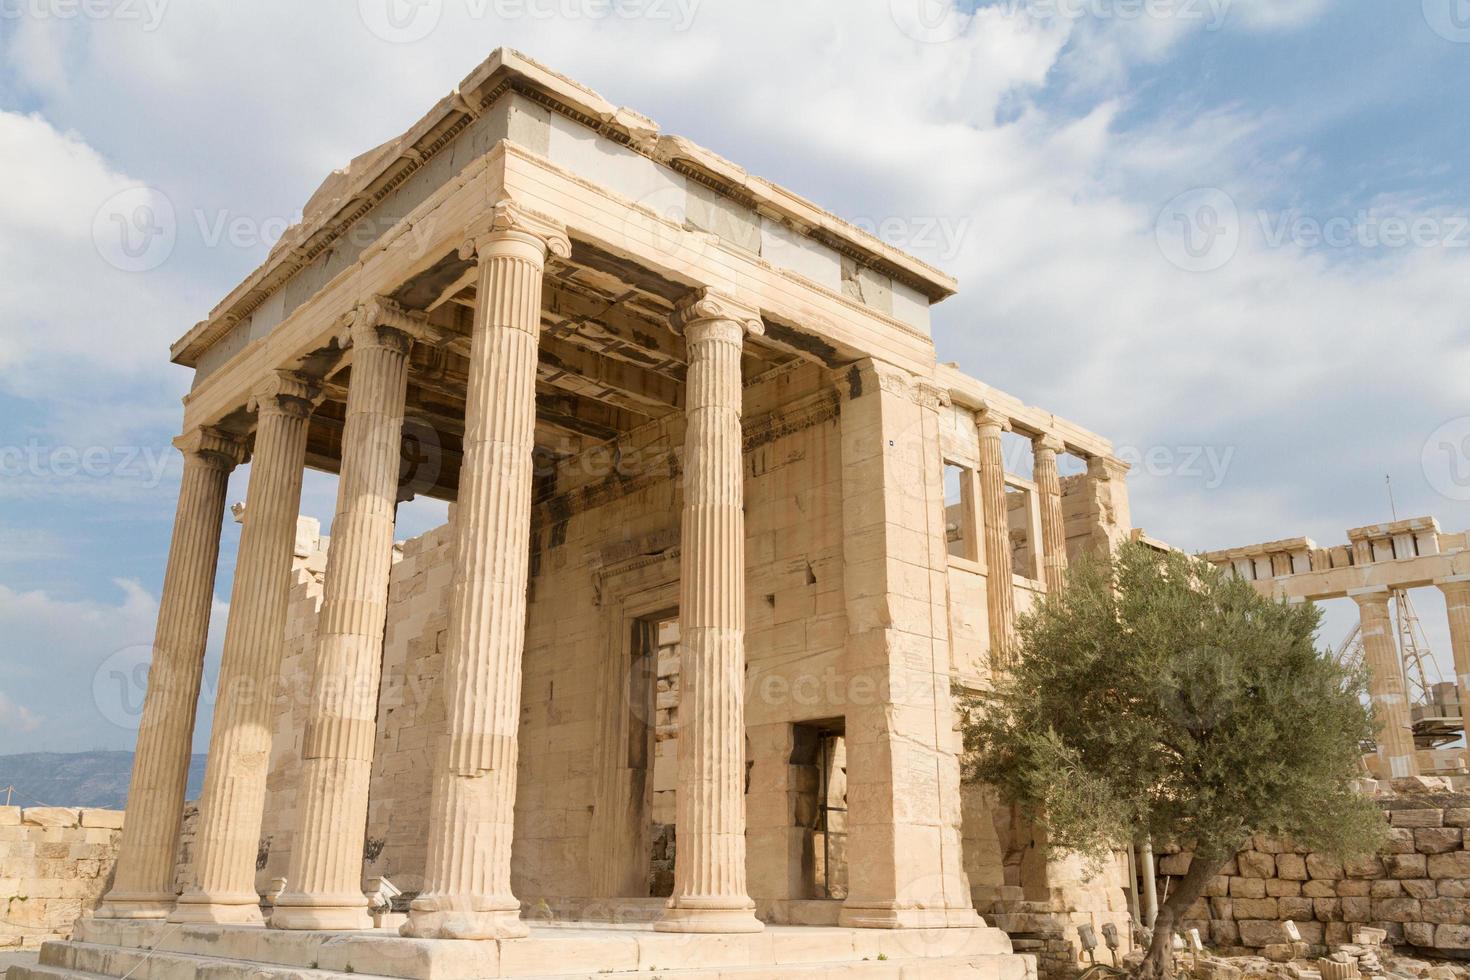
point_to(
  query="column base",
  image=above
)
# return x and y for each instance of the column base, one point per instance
(321, 913)
(677, 918)
(464, 918)
(892, 917)
(202, 908)
(136, 905)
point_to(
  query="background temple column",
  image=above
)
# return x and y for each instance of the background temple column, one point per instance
(1386, 686)
(143, 883)
(1053, 524)
(467, 891)
(1000, 600)
(906, 863)
(324, 882)
(710, 892)
(1457, 604)
(231, 808)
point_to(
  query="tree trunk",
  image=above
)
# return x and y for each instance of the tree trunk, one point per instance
(1159, 964)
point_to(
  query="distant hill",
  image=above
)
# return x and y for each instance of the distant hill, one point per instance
(96, 779)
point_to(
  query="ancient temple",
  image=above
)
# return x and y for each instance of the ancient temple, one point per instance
(674, 688)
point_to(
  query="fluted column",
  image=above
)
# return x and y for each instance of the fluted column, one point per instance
(232, 807)
(710, 892)
(471, 818)
(1457, 604)
(324, 879)
(1053, 524)
(1000, 600)
(1386, 686)
(143, 883)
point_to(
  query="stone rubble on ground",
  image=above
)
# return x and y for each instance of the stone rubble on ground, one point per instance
(1368, 957)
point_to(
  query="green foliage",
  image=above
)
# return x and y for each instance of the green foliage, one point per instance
(1159, 696)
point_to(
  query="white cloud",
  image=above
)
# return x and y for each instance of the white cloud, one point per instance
(18, 718)
(67, 315)
(1317, 368)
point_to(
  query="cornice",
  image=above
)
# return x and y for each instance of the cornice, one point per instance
(507, 71)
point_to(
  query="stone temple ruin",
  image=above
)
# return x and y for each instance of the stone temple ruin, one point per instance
(673, 688)
(1423, 717)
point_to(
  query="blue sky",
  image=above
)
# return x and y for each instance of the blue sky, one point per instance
(1133, 194)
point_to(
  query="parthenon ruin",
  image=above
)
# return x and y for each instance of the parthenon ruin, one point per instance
(1379, 563)
(711, 488)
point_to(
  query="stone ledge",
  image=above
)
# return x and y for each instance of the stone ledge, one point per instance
(155, 951)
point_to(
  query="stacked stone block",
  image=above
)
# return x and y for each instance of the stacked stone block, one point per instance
(55, 864)
(1417, 888)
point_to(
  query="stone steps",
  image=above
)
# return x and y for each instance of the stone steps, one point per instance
(84, 961)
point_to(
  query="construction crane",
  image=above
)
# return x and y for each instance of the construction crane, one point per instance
(1433, 702)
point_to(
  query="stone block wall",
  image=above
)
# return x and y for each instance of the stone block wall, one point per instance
(1039, 898)
(1417, 888)
(55, 864)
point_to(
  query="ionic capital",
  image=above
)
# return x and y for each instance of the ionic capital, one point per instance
(510, 223)
(283, 392)
(706, 314)
(380, 322)
(1048, 442)
(213, 447)
(988, 418)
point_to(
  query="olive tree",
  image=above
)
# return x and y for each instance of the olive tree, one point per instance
(1158, 698)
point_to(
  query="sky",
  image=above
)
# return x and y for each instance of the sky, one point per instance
(1230, 235)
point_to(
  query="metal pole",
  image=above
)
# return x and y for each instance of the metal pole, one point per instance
(1133, 909)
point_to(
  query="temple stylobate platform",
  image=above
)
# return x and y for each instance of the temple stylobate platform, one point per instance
(151, 951)
(725, 536)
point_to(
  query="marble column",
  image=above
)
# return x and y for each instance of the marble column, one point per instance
(324, 879)
(1457, 604)
(467, 891)
(1053, 524)
(232, 807)
(710, 893)
(143, 883)
(1000, 600)
(1386, 686)
(1108, 512)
